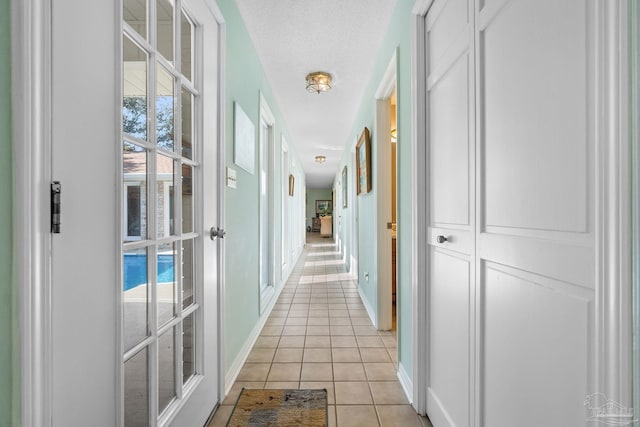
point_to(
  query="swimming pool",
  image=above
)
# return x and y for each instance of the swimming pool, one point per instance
(135, 269)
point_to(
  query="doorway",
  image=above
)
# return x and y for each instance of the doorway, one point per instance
(386, 137)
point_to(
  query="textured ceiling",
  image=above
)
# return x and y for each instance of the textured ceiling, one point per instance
(296, 37)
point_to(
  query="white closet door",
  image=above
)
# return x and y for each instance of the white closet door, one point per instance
(451, 213)
(536, 265)
(511, 119)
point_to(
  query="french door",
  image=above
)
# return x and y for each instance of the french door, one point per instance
(134, 282)
(169, 339)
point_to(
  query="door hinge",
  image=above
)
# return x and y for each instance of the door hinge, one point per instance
(56, 190)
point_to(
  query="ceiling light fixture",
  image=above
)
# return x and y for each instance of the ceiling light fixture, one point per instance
(318, 82)
(320, 159)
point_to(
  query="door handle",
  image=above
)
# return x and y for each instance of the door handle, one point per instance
(442, 239)
(216, 232)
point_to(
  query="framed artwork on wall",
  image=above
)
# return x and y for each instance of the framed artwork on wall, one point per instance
(363, 162)
(344, 187)
(244, 146)
(323, 207)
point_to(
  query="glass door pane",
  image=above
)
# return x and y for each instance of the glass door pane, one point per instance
(159, 243)
(136, 390)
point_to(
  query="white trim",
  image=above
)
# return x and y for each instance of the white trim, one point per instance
(634, 127)
(419, 209)
(285, 211)
(382, 135)
(222, 102)
(221, 142)
(31, 106)
(241, 358)
(353, 265)
(370, 311)
(388, 83)
(405, 382)
(267, 117)
(613, 242)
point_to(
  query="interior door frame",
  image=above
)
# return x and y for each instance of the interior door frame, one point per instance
(267, 116)
(31, 104)
(613, 208)
(382, 137)
(354, 237)
(31, 108)
(634, 126)
(419, 208)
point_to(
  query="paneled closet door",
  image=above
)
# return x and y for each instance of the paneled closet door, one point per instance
(512, 116)
(451, 231)
(536, 264)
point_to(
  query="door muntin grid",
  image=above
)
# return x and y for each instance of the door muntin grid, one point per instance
(160, 180)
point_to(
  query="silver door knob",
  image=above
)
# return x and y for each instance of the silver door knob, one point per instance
(441, 239)
(216, 232)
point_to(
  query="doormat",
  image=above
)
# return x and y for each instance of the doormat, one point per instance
(261, 408)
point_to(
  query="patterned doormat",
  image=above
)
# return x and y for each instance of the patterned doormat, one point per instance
(261, 408)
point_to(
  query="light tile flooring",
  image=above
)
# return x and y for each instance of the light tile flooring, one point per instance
(320, 336)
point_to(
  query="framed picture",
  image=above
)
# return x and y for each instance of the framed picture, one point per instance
(244, 146)
(323, 207)
(344, 187)
(363, 162)
(291, 183)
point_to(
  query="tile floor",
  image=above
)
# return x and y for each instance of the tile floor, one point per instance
(320, 336)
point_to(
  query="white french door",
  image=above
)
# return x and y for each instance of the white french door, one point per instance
(169, 351)
(516, 312)
(134, 274)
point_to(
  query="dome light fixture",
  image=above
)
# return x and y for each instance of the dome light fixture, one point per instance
(318, 81)
(321, 159)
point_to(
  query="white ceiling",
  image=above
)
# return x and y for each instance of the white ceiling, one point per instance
(296, 37)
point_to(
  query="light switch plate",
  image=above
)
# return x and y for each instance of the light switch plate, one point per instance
(231, 178)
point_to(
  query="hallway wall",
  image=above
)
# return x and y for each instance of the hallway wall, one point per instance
(245, 81)
(9, 328)
(397, 36)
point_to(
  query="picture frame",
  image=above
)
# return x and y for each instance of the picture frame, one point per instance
(244, 147)
(363, 163)
(291, 184)
(344, 187)
(323, 207)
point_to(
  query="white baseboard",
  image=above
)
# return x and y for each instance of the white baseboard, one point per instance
(236, 366)
(367, 306)
(405, 382)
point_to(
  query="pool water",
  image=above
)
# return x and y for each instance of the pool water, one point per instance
(135, 269)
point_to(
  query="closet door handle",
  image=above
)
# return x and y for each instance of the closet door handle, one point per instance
(442, 239)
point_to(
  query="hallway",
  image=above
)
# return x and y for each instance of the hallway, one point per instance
(320, 336)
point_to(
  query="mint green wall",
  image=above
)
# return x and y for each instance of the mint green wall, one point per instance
(398, 36)
(314, 194)
(9, 345)
(245, 81)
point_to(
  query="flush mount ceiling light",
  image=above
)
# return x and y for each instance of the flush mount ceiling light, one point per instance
(318, 82)
(320, 159)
